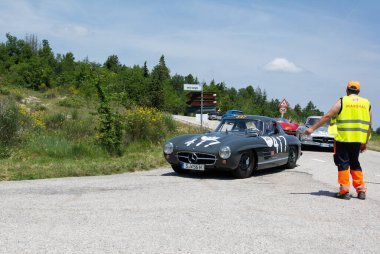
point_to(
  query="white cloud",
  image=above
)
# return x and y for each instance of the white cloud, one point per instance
(282, 65)
(75, 30)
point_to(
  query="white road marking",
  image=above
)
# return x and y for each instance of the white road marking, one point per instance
(318, 160)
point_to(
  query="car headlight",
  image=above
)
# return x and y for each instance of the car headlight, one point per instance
(225, 152)
(168, 148)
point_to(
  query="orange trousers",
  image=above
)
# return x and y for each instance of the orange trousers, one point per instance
(346, 157)
(357, 180)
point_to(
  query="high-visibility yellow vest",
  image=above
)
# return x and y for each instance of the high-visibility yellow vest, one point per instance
(332, 129)
(353, 121)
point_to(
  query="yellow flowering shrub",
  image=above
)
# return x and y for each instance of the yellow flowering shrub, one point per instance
(32, 119)
(143, 123)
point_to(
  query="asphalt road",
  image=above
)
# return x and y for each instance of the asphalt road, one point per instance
(158, 211)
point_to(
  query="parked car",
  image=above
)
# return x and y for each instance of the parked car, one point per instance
(289, 127)
(320, 137)
(240, 144)
(232, 112)
(215, 115)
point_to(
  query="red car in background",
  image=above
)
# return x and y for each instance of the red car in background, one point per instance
(287, 126)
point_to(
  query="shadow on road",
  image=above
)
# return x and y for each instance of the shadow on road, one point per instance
(317, 149)
(319, 193)
(222, 175)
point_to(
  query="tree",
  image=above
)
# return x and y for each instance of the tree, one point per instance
(32, 41)
(112, 63)
(110, 127)
(160, 75)
(146, 70)
(177, 82)
(298, 112)
(310, 110)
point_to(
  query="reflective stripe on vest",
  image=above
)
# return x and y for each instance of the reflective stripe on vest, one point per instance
(354, 120)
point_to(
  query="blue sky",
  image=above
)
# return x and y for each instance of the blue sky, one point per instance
(298, 50)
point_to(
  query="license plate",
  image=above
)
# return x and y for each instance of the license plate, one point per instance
(199, 167)
(325, 145)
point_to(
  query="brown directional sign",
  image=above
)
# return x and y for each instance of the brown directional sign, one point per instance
(194, 99)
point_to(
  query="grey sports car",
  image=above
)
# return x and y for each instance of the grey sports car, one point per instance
(319, 138)
(240, 144)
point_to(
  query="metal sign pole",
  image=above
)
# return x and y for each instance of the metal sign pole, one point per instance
(202, 106)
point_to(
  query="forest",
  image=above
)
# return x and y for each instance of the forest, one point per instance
(32, 64)
(60, 116)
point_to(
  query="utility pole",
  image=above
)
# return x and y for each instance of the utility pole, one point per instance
(201, 106)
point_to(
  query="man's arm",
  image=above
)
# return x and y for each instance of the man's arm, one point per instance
(332, 112)
(363, 147)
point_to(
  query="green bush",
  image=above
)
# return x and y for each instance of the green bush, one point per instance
(55, 121)
(77, 129)
(72, 102)
(75, 114)
(378, 130)
(5, 152)
(50, 95)
(38, 107)
(12, 122)
(4, 91)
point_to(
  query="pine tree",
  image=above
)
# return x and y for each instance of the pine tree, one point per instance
(160, 75)
(146, 70)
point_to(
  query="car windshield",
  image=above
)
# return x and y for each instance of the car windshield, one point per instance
(241, 125)
(282, 120)
(311, 121)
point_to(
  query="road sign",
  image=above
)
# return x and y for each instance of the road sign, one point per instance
(192, 87)
(282, 110)
(284, 103)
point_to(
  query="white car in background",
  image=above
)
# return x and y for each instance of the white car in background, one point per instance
(319, 138)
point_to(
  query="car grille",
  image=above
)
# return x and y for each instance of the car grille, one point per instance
(196, 158)
(323, 140)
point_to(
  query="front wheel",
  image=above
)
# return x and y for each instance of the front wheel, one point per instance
(246, 165)
(292, 157)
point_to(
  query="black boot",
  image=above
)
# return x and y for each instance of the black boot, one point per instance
(361, 195)
(346, 195)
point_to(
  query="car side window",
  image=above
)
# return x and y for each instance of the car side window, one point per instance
(271, 128)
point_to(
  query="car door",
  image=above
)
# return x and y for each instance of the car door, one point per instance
(282, 145)
(277, 150)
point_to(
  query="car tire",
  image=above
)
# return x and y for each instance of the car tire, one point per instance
(246, 165)
(292, 157)
(178, 169)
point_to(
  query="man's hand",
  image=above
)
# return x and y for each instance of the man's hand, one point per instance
(308, 131)
(363, 147)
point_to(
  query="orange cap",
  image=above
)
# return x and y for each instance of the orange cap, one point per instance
(353, 85)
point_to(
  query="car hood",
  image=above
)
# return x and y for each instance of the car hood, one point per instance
(208, 142)
(289, 126)
(320, 132)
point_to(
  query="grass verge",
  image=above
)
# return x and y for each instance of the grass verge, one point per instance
(138, 156)
(374, 143)
(35, 163)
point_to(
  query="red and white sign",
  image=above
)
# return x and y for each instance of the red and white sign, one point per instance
(284, 103)
(282, 110)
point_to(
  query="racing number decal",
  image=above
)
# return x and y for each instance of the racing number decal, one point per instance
(210, 140)
(276, 142)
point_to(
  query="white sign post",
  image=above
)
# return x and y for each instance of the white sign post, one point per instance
(196, 88)
(283, 105)
(192, 87)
